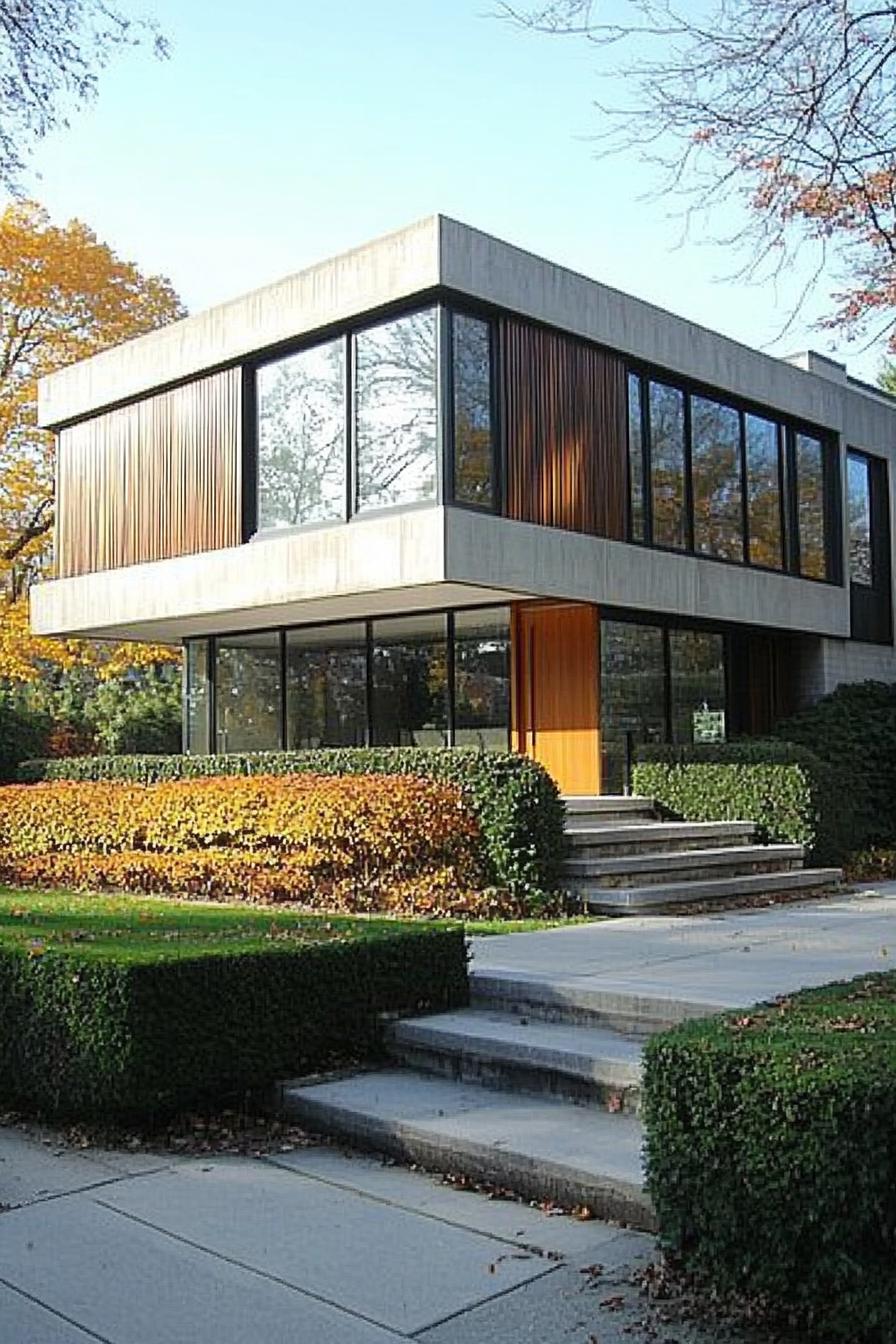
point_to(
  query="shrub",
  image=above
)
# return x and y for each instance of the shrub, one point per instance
(515, 801)
(771, 1154)
(854, 731)
(124, 1035)
(790, 794)
(260, 837)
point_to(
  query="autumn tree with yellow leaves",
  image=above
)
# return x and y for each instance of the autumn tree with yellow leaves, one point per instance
(64, 295)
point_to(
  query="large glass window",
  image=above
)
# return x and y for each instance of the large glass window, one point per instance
(715, 464)
(247, 692)
(810, 506)
(482, 678)
(474, 477)
(396, 411)
(697, 686)
(632, 694)
(667, 459)
(858, 482)
(301, 438)
(635, 457)
(326, 686)
(196, 697)
(410, 681)
(764, 492)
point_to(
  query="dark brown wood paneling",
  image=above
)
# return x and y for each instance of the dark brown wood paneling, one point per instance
(565, 426)
(155, 479)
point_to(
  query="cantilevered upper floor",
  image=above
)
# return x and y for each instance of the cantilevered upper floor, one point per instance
(438, 419)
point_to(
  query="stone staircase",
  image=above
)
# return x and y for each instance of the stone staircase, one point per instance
(536, 1087)
(518, 1091)
(625, 859)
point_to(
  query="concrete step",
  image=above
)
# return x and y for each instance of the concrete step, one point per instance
(550, 999)
(661, 895)
(581, 1063)
(650, 836)
(684, 865)
(606, 808)
(540, 1148)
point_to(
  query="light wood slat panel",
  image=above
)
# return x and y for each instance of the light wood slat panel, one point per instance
(155, 479)
(565, 422)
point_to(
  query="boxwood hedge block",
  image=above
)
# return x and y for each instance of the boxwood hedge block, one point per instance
(771, 1155)
(515, 800)
(118, 1035)
(791, 795)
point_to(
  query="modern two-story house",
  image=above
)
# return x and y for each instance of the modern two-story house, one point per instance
(440, 491)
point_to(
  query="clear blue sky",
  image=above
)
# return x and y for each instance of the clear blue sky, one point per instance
(281, 132)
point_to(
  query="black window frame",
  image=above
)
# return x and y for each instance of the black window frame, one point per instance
(788, 428)
(282, 631)
(446, 305)
(871, 605)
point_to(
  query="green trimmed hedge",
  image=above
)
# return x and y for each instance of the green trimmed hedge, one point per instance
(515, 800)
(771, 1155)
(792, 796)
(115, 1035)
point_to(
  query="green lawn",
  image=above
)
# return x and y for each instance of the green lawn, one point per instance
(154, 927)
(144, 927)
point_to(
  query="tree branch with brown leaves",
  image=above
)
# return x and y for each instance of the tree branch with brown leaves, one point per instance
(788, 106)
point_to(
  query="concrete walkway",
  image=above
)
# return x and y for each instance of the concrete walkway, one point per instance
(307, 1247)
(724, 960)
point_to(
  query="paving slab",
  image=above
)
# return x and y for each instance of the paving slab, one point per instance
(726, 959)
(23, 1321)
(504, 1219)
(127, 1284)
(402, 1272)
(31, 1169)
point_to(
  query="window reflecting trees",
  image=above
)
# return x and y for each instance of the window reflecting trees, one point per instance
(395, 411)
(858, 480)
(715, 464)
(667, 465)
(474, 458)
(301, 438)
(482, 678)
(729, 483)
(247, 692)
(763, 444)
(326, 686)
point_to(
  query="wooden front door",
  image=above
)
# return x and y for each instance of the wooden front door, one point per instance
(556, 710)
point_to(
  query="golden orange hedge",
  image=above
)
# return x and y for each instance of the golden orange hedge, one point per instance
(351, 842)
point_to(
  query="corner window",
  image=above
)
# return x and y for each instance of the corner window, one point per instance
(715, 464)
(858, 493)
(667, 459)
(396, 412)
(474, 466)
(301, 438)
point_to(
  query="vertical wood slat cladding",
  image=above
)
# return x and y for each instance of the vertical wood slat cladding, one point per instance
(155, 479)
(565, 427)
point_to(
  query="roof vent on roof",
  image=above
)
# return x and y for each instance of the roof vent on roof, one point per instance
(813, 362)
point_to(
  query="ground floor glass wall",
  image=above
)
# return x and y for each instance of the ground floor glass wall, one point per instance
(433, 679)
(657, 685)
